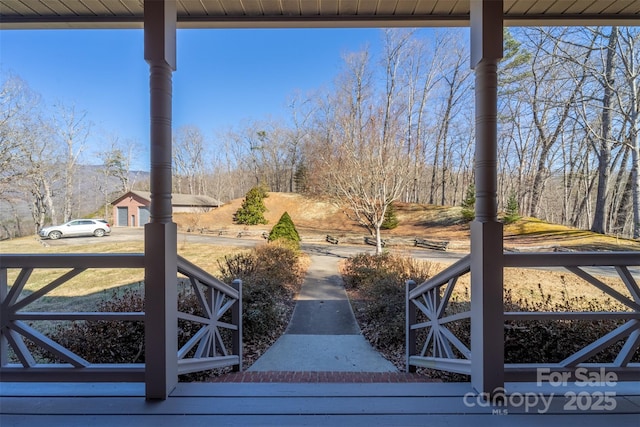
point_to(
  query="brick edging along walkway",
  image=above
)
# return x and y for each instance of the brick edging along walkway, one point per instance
(320, 377)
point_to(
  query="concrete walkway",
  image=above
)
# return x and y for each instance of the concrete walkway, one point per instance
(323, 335)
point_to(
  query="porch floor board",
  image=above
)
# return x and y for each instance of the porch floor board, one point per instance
(296, 404)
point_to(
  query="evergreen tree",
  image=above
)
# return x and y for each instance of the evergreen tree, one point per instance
(260, 191)
(252, 210)
(285, 230)
(391, 220)
(469, 204)
(512, 212)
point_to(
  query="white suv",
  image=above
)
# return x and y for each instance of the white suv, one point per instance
(77, 227)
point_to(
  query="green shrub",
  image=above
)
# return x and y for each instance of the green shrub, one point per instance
(363, 269)
(285, 231)
(512, 213)
(261, 312)
(383, 311)
(280, 265)
(550, 341)
(270, 274)
(380, 284)
(252, 210)
(105, 341)
(391, 220)
(469, 204)
(277, 266)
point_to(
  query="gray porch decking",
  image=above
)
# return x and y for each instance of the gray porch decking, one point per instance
(294, 404)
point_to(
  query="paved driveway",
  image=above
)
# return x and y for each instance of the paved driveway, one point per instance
(339, 251)
(123, 234)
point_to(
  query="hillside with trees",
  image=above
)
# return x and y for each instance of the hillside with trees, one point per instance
(315, 217)
(395, 127)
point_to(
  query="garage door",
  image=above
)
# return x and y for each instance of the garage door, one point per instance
(123, 216)
(143, 215)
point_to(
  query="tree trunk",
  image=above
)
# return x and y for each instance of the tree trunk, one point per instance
(635, 185)
(604, 156)
(539, 180)
(623, 207)
(621, 189)
(378, 240)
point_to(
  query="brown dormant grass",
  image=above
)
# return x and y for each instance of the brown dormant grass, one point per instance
(92, 286)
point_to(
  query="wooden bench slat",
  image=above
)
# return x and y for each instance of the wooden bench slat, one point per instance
(431, 244)
(332, 240)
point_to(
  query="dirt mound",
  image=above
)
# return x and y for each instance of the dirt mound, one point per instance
(314, 216)
(307, 214)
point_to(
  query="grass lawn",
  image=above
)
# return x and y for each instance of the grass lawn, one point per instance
(85, 291)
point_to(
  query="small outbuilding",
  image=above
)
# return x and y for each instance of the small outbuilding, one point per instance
(132, 208)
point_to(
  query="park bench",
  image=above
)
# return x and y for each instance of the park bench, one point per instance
(371, 241)
(431, 244)
(562, 249)
(332, 240)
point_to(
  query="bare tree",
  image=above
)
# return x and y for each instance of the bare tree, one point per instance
(301, 112)
(189, 159)
(116, 164)
(17, 108)
(629, 47)
(604, 136)
(73, 130)
(269, 151)
(515, 133)
(41, 172)
(456, 85)
(117, 161)
(29, 169)
(422, 72)
(365, 153)
(552, 96)
(239, 168)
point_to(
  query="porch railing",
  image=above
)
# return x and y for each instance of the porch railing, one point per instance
(430, 317)
(432, 299)
(207, 348)
(204, 350)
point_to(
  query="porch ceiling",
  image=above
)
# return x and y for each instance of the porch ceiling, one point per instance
(311, 13)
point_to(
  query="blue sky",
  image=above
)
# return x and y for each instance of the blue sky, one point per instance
(224, 77)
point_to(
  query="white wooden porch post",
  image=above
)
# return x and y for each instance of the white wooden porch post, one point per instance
(487, 334)
(160, 241)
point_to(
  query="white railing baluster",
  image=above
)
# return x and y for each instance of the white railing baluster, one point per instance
(217, 300)
(17, 288)
(203, 351)
(629, 282)
(436, 351)
(628, 349)
(426, 298)
(604, 288)
(49, 344)
(22, 352)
